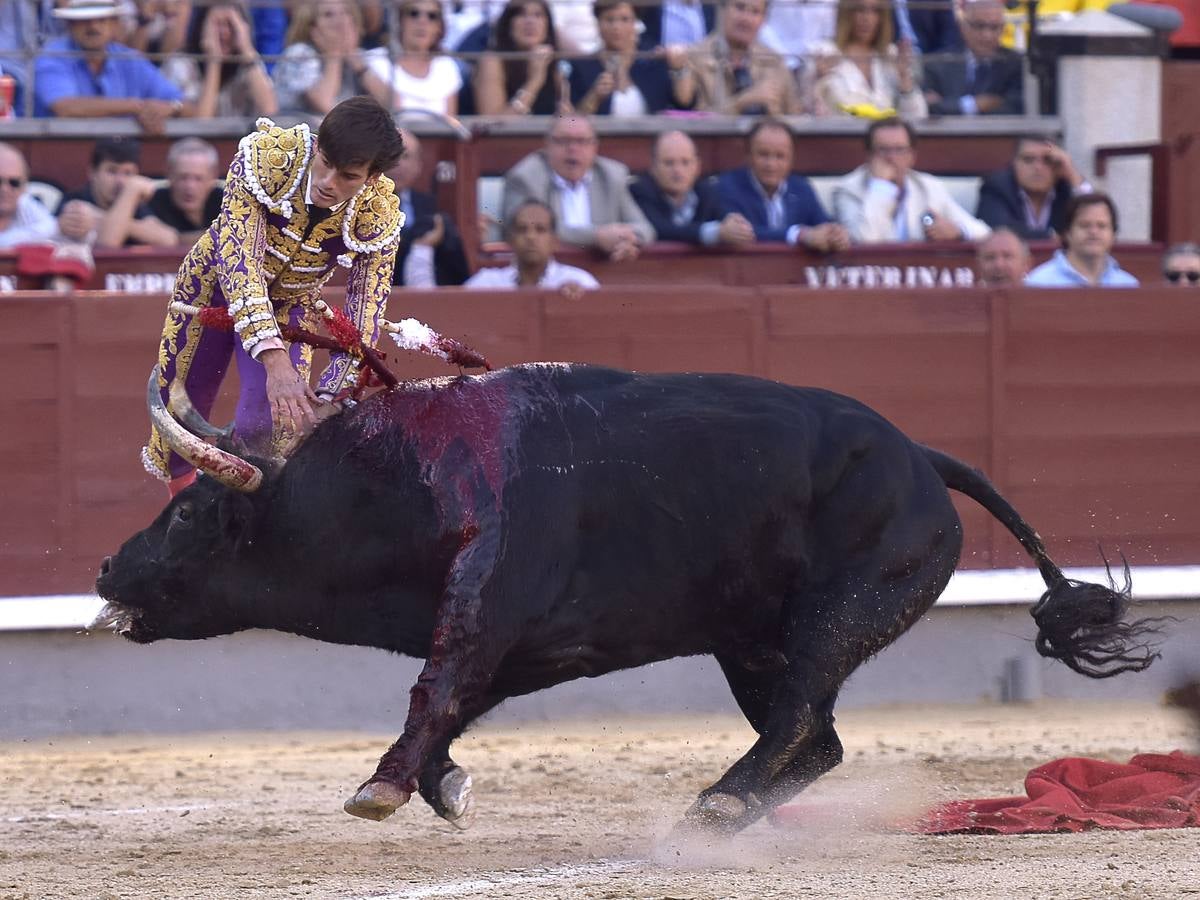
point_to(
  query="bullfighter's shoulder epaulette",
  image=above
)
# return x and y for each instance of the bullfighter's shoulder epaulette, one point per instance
(375, 219)
(274, 160)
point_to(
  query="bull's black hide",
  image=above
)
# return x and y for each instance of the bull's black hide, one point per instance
(546, 522)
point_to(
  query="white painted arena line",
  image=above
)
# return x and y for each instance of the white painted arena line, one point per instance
(971, 587)
(539, 876)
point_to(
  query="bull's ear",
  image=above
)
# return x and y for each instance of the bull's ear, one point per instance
(235, 514)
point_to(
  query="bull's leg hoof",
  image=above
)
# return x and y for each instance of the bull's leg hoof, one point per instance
(457, 804)
(716, 812)
(376, 800)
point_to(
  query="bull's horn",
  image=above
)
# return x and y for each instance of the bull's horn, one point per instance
(181, 407)
(227, 468)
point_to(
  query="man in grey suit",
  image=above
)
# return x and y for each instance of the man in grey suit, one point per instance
(986, 78)
(588, 193)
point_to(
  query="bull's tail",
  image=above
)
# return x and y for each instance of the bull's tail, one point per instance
(1078, 622)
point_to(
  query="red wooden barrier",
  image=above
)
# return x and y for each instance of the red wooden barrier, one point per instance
(1081, 405)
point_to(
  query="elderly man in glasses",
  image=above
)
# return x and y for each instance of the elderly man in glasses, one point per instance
(589, 194)
(985, 78)
(1031, 195)
(1181, 265)
(23, 220)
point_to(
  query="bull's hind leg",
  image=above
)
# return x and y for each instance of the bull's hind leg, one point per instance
(829, 633)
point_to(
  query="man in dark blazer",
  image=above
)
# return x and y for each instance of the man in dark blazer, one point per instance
(424, 227)
(780, 205)
(679, 204)
(986, 78)
(933, 28)
(1031, 196)
(695, 21)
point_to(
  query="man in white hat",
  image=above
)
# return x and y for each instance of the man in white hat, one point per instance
(88, 74)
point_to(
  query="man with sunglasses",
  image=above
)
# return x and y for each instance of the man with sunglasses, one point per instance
(1181, 265)
(23, 220)
(1031, 195)
(986, 78)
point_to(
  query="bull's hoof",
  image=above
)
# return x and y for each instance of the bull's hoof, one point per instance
(376, 800)
(716, 812)
(457, 804)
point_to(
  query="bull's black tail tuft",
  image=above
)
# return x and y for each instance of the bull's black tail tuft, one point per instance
(1079, 623)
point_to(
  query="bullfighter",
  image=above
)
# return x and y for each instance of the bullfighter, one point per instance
(296, 207)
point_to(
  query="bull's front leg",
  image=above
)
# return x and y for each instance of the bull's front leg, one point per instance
(465, 652)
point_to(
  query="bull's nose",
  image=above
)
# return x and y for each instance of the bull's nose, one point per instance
(105, 565)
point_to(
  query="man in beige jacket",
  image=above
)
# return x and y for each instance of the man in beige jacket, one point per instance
(886, 200)
(736, 73)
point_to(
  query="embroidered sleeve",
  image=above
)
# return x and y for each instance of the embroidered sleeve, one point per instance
(371, 231)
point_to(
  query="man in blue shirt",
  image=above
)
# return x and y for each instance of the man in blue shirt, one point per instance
(1085, 260)
(88, 74)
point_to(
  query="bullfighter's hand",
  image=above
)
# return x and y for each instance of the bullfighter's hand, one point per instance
(290, 396)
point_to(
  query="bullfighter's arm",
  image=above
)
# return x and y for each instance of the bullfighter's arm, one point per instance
(367, 291)
(376, 231)
(240, 239)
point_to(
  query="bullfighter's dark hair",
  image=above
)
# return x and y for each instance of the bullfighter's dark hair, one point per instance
(1080, 202)
(118, 150)
(890, 122)
(357, 131)
(526, 204)
(768, 122)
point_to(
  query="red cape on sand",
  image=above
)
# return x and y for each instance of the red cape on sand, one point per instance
(1073, 794)
(1152, 790)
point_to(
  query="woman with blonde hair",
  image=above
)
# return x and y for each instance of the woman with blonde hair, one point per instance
(322, 62)
(415, 76)
(866, 73)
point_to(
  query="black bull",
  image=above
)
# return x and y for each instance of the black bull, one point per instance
(546, 522)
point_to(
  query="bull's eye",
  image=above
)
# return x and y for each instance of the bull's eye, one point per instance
(183, 515)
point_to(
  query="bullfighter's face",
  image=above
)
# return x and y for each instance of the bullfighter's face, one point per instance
(331, 185)
(167, 580)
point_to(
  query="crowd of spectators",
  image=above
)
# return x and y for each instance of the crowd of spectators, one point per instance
(570, 61)
(155, 59)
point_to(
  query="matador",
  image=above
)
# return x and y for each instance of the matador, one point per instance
(296, 207)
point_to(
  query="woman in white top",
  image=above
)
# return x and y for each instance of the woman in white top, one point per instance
(417, 77)
(866, 69)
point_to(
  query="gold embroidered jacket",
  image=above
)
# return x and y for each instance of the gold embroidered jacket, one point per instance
(253, 257)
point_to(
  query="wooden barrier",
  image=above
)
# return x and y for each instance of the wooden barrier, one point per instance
(146, 270)
(1081, 405)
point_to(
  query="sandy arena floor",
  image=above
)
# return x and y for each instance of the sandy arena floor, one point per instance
(578, 811)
